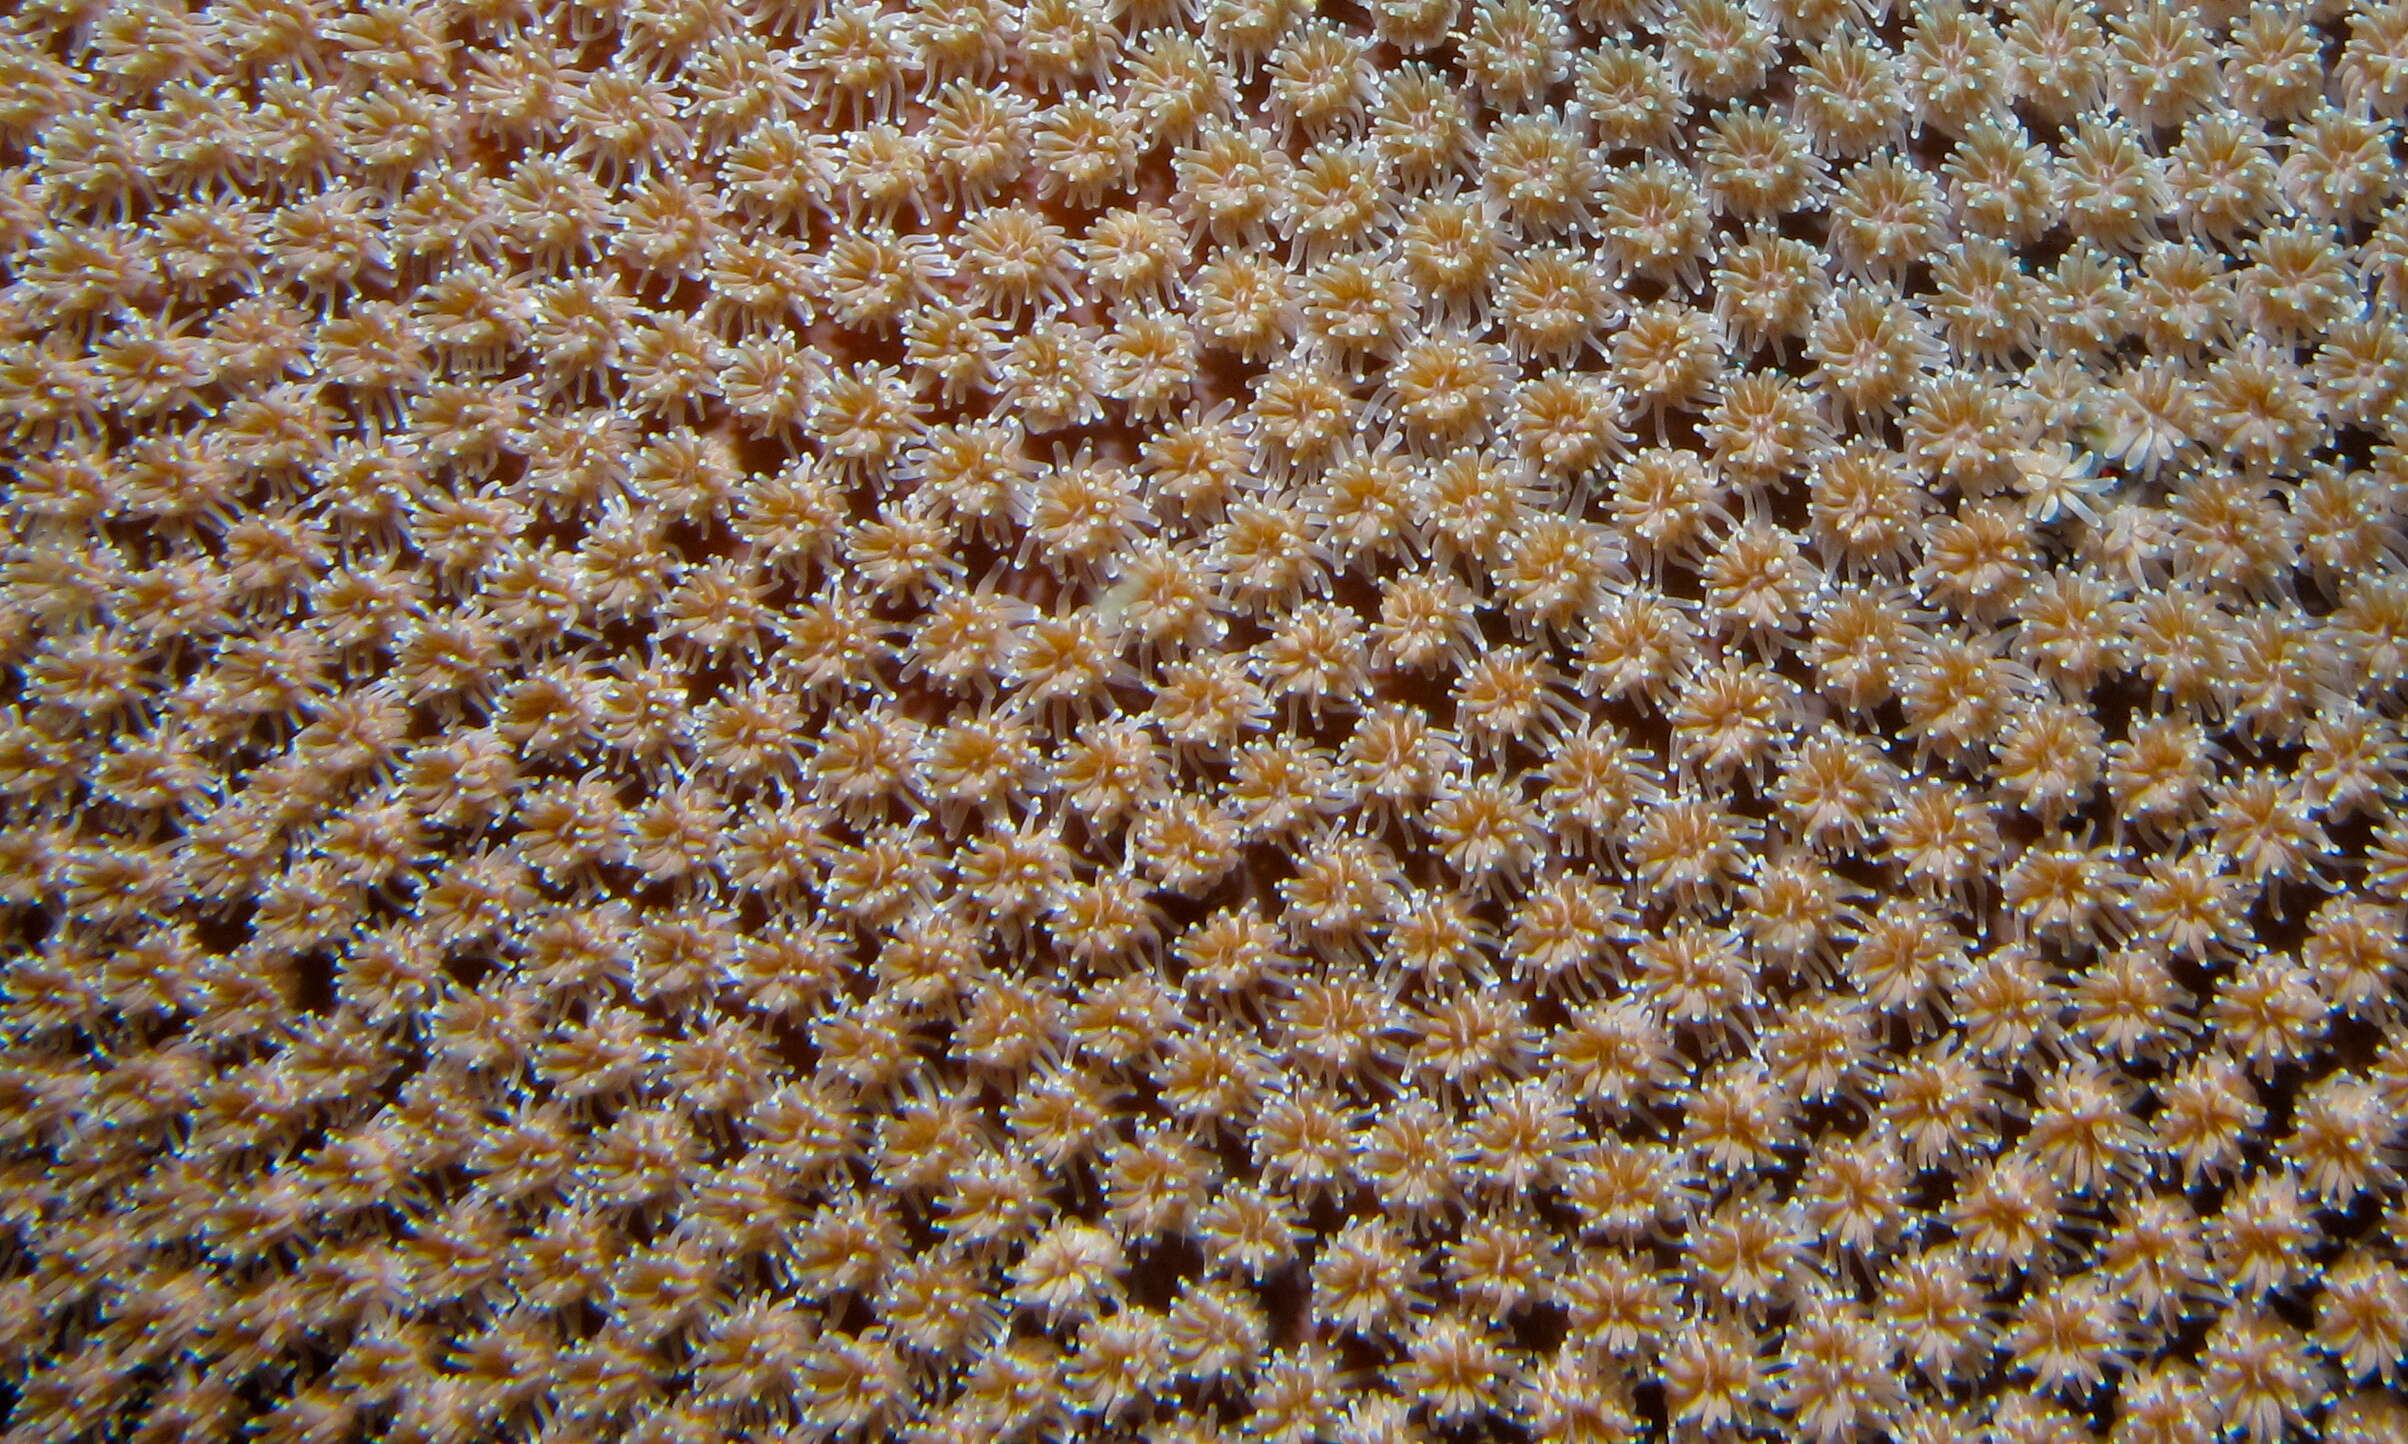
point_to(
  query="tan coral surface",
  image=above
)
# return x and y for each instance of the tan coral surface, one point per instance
(1248, 720)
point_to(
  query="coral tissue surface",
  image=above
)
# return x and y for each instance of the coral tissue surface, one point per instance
(1204, 721)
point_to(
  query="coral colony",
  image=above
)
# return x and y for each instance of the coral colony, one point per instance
(1203, 720)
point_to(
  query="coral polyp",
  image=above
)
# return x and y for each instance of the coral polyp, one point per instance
(1203, 720)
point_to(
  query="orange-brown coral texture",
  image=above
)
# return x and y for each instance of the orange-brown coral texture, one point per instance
(1196, 720)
